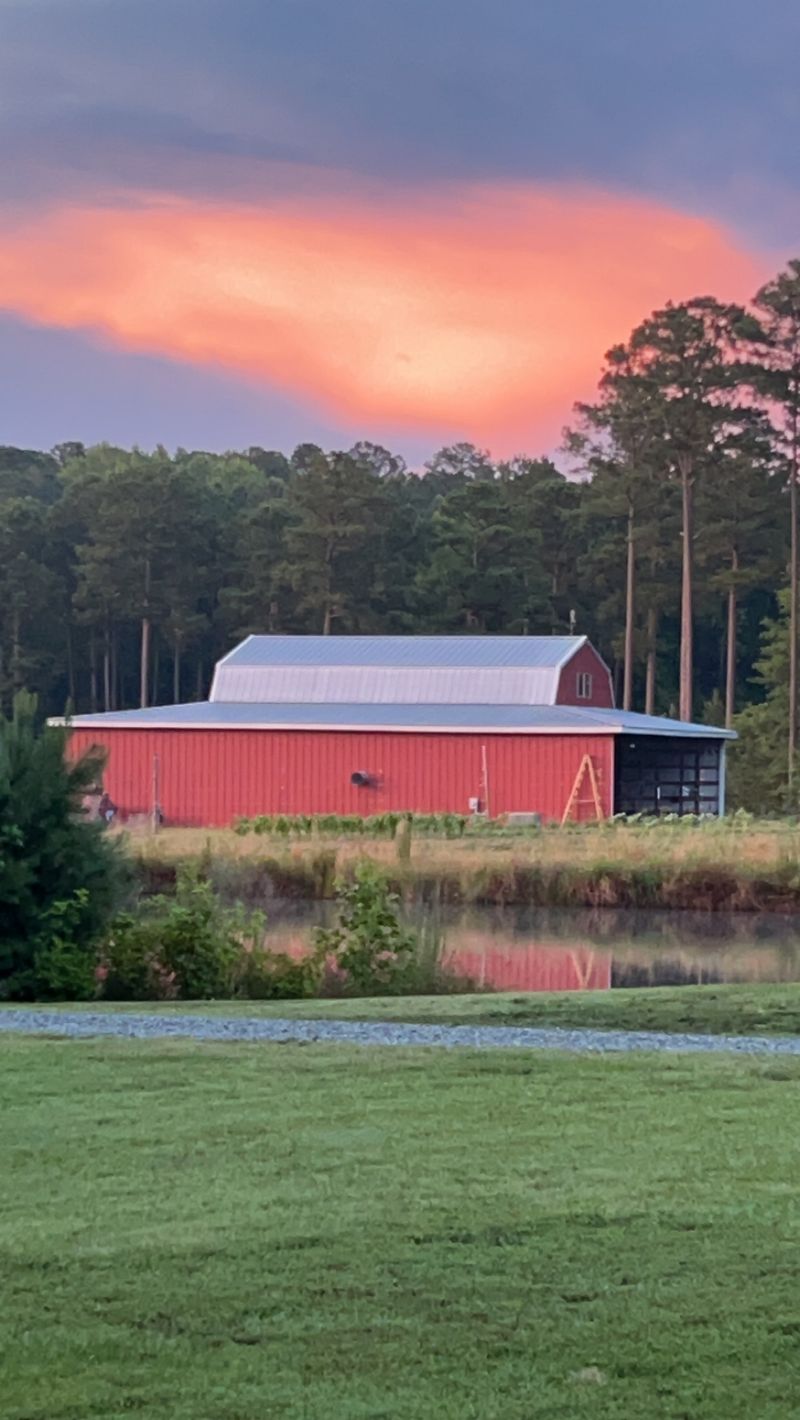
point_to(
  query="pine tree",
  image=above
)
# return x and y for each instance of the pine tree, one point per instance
(59, 873)
(484, 571)
(31, 599)
(758, 778)
(334, 507)
(740, 544)
(547, 504)
(616, 444)
(778, 353)
(681, 380)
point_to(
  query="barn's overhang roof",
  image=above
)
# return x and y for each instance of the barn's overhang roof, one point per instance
(443, 719)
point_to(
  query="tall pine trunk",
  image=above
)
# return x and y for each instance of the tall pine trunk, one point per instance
(107, 671)
(793, 606)
(17, 682)
(686, 697)
(176, 671)
(730, 650)
(630, 592)
(92, 674)
(650, 675)
(70, 667)
(114, 670)
(144, 660)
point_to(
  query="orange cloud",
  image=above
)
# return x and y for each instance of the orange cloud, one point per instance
(486, 310)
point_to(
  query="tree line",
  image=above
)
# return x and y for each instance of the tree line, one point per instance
(669, 535)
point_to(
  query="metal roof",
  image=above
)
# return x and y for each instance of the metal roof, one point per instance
(394, 670)
(486, 652)
(455, 719)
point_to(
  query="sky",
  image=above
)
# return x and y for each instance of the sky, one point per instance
(236, 222)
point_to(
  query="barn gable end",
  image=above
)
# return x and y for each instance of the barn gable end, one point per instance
(585, 680)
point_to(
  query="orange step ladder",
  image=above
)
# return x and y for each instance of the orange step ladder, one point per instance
(586, 771)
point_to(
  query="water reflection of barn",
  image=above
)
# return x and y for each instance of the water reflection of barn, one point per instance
(531, 967)
(517, 966)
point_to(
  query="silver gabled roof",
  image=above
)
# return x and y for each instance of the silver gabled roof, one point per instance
(394, 670)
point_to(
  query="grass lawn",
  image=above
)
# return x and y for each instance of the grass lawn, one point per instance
(231, 1233)
(716, 1010)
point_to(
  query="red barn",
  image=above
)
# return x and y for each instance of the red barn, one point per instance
(364, 724)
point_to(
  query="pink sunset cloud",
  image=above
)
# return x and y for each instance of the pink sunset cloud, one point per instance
(485, 309)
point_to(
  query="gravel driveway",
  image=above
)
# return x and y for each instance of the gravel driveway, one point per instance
(153, 1026)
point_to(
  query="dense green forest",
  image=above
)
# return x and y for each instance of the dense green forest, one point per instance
(668, 535)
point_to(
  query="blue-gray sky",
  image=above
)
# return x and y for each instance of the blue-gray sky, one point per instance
(353, 112)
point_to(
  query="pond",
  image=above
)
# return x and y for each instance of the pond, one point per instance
(530, 949)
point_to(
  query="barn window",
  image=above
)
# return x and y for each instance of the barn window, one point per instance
(583, 685)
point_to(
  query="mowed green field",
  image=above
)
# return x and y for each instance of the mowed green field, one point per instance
(206, 1232)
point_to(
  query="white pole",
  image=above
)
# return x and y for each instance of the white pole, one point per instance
(721, 801)
(155, 811)
(485, 771)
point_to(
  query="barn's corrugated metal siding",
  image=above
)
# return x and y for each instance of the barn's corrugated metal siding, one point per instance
(212, 776)
(384, 685)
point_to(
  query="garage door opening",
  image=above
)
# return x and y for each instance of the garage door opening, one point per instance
(660, 774)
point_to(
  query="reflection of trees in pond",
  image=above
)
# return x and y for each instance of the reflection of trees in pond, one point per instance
(647, 948)
(621, 928)
(662, 972)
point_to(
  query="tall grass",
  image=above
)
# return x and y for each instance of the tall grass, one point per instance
(733, 865)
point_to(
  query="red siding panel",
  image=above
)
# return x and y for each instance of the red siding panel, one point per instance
(586, 659)
(212, 776)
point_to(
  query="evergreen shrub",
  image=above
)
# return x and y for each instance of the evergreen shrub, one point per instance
(60, 873)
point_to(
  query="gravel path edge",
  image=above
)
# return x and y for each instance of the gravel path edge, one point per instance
(152, 1026)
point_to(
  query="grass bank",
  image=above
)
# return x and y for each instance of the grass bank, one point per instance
(324, 1234)
(726, 866)
(711, 1010)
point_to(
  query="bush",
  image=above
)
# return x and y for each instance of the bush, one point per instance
(200, 941)
(60, 875)
(189, 946)
(64, 970)
(275, 976)
(368, 946)
(192, 947)
(129, 966)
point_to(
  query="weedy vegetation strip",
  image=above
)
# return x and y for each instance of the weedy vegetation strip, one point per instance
(734, 865)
